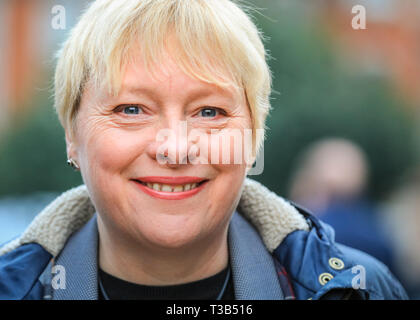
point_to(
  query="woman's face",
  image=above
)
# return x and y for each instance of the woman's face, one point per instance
(118, 144)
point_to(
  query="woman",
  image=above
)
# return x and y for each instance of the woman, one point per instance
(148, 93)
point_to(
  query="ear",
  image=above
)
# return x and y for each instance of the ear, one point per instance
(71, 146)
(248, 168)
(250, 161)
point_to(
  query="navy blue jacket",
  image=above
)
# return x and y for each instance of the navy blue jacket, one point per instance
(309, 265)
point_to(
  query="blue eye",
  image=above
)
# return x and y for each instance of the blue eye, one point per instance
(209, 112)
(132, 109)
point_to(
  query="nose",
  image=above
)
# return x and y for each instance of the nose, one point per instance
(170, 147)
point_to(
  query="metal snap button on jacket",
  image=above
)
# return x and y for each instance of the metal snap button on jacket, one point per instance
(325, 277)
(336, 263)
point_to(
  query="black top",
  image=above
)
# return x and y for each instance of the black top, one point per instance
(205, 289)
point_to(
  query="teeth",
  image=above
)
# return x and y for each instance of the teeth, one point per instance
(168, 188)
(178, 189)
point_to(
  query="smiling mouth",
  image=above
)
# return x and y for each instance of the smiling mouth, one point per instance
(173, 188)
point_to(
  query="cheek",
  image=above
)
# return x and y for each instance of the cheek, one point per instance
(224, 147)
(227, 188)
(110, 150)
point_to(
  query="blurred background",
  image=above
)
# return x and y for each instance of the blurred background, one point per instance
(343, 138)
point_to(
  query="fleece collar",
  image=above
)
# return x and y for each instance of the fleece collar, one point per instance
(272, 216)
(253, 270)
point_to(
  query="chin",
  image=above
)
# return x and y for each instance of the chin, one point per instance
(169, 231)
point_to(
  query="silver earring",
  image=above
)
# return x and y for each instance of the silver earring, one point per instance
(73, 164)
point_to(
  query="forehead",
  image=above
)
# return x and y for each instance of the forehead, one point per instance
(167, 77)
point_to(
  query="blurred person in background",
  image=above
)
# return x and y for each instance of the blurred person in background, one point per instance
(402, 217)
(331, 180)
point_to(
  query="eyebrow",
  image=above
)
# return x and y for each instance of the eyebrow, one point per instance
(200, 92)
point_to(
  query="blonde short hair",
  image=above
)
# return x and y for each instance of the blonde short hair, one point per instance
(216, 40)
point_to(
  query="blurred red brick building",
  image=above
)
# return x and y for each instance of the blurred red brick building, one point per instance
(390, 44)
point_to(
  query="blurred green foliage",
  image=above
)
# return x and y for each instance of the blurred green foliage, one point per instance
(33, 155)
(319, 98)
(316, 98)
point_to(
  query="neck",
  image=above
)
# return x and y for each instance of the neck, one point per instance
(131, 261)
